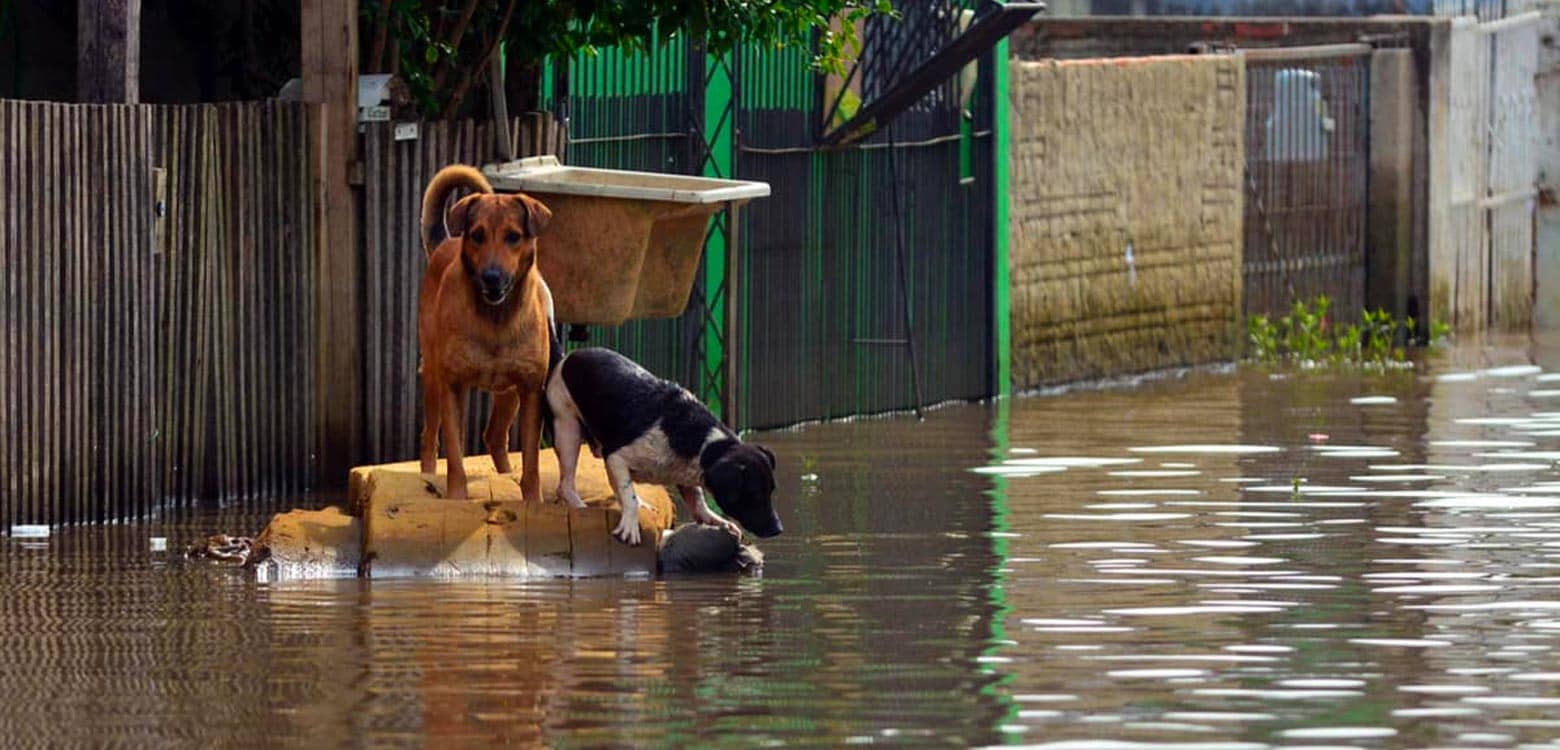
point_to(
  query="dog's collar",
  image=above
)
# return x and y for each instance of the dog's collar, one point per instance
(715, 450)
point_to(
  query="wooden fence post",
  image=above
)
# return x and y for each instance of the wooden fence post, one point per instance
(108, 51)
(329, 76)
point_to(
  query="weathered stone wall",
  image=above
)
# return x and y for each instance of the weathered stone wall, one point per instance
(1125, 215)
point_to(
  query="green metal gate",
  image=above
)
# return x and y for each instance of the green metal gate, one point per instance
(864, 283)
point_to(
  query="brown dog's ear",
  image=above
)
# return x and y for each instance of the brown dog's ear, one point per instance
(534, 214)
(460, 214)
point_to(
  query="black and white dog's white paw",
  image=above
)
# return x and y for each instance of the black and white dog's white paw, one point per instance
(627, 530)
(706, 518)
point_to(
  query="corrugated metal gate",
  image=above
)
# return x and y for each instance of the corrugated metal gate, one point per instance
(1307, 167)
(154, 358)
(1482, 212)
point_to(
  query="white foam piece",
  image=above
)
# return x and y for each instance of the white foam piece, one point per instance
(1212, 658)
(29, 531)
(1401, 642)
(1303, 489)
(1102, 545)
(1338, 733)
(1155, 674)
(1082, 462)
(1482, 443)
(1513, 701)
(1225, 609)
(1130, 517)
(1439, 588)
(1372, 400)
(1218, 716)
(1436, 711)
(1237, 560)
(1512, 371)
(1278, 694)
(1321, 682)
(1128, 745)
(1017, 472)
(1426, 575)
(1360, 453)
(1497, 502)
(1082, 629)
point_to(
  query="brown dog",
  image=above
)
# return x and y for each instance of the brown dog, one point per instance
(484, 321)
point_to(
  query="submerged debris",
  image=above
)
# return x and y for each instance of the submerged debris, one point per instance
(223, 548)
(695, 548)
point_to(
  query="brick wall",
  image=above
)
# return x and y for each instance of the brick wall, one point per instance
(1125, 215)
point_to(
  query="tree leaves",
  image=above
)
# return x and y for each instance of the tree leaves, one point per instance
(563, 28)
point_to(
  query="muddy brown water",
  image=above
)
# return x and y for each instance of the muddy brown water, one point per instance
(1147, 572)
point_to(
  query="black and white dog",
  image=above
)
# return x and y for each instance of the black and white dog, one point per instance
(653, 430)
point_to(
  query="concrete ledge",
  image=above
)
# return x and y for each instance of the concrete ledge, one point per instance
(399, 526)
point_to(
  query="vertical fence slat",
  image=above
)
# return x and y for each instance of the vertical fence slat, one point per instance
(154, 371)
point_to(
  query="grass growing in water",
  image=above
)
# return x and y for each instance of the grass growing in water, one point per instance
(1307, 337)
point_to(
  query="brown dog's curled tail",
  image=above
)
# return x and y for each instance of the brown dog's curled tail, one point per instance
(448, 180)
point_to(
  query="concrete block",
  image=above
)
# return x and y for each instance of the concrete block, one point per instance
(406, 529)
(310, 544)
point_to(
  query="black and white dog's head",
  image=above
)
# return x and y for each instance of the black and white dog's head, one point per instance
(743, 481)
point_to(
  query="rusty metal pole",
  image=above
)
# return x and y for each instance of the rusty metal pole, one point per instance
(729, 340)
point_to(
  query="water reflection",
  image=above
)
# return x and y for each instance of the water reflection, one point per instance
(870, 624)
(1224, 559)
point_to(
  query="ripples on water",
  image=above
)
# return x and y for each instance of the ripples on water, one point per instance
(1121, 566)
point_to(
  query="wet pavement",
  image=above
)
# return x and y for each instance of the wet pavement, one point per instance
(1237, 558)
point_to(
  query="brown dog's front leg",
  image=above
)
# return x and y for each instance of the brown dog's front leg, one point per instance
(454, 452)
(435, 402)
(505, 406)
(530, 447)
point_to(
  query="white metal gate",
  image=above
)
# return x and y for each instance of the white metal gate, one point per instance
(1482, 197)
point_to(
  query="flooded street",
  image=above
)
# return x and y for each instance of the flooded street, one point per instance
(1236, 558)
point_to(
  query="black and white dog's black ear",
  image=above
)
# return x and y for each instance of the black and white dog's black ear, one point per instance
(769, 455)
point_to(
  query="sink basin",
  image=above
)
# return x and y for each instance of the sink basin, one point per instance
(621, 245)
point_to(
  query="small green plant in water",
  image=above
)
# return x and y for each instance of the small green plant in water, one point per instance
(1308, 336)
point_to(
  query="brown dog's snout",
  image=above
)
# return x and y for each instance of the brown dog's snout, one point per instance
(494, 280)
